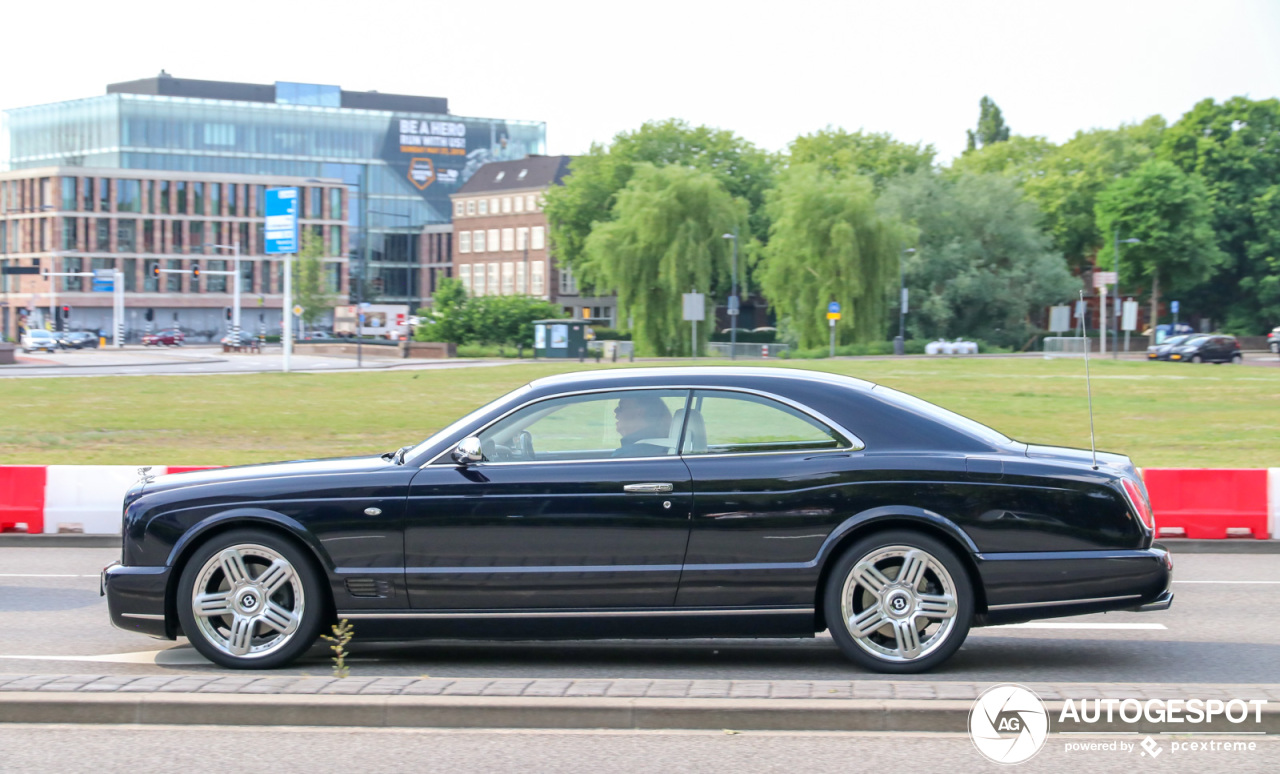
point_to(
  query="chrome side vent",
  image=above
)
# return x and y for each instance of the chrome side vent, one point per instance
(368, 587)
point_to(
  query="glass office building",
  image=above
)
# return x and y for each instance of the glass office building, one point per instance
(401, 156)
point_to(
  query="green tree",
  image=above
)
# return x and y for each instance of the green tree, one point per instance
(873, 154)
(456, 318)
(446, 319)
(829, 243)
(310, 280)
(1235, 148)
(591, 190)
(983, 268)
(1018, 158)
(1168, 211)
(991, 126)
(665, 238)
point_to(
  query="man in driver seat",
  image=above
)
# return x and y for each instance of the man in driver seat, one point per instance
(644, 422)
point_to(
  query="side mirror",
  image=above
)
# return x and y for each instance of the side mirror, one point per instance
(468, 451)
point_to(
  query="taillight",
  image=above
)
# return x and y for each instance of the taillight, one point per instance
(1139, 503)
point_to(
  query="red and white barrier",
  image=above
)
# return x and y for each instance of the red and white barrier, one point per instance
(1188, 502)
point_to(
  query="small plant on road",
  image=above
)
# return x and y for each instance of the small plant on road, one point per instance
(343, 631)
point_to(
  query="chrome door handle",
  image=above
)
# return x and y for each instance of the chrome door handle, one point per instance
(648, 488)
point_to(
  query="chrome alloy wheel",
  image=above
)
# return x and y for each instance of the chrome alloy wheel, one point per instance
(247, 600)
(899, 603)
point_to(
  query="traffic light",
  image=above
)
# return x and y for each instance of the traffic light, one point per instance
(195, 270)
(227, 311)
(66, 313)
(151, 315)
(155, 272)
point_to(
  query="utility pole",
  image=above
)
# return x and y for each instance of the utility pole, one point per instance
(733, 298)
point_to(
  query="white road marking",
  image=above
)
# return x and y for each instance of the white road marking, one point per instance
(1114, 626)
(31, 575)
(1257, 583)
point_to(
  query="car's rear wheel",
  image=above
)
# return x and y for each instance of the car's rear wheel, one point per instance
(898, 601)
(249, 599)
(1237, 359)
(1197, 359)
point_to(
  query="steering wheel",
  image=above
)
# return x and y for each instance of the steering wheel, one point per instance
(523, 446)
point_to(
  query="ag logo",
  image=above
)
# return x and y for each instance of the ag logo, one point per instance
(1008, 723)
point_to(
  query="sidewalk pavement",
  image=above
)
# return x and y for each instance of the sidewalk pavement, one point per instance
(360, 701)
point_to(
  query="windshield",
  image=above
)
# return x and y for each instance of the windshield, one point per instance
(1197, 341)
(1174, 340)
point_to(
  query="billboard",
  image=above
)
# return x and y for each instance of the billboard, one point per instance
(282, 221)
(435, 155)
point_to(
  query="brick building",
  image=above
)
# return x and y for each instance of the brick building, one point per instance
(500, 237)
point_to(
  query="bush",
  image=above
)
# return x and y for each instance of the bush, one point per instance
(611, 334)
(912, 347)
(748, 337)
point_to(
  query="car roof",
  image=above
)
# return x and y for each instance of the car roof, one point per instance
(688, 374)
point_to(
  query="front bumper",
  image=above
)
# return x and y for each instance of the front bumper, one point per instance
(136, 599)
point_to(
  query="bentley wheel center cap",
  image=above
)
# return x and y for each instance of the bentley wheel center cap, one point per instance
(249, 600)
(898, 603)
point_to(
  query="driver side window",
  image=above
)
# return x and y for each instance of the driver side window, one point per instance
(601, 425)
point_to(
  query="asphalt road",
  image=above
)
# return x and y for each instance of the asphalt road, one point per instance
(1223, 627)
(195, 360)
(132, 749)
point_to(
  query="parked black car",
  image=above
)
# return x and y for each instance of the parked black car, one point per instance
(1162, 350)
(78, 340)
(665, 502)
(1208, 349)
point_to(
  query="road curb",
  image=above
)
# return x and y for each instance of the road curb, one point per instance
(62, 540)
(902, 715)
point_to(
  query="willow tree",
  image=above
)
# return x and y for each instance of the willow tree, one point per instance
(666, 238)
(829, 243)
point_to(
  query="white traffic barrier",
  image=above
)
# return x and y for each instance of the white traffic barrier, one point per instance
(1273, 502)
(88, 498)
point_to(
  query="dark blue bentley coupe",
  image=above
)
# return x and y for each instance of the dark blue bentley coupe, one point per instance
(649, 502)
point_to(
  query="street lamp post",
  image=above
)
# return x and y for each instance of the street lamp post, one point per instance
(900, 344)
(733, 298)
(1115, 321)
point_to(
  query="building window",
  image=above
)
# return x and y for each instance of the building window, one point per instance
(537, 279)
(130, 275)
(519, 204)
(539, 238)
(70, 264)
(336, 247)
(165, 185)
(520, 288)
(69, 194)
(180, 189)
(128, 196)
(68, 233)
(150, 201)
(335, 204)
(531, 203)
(457, 209)
(471, 206)
(508, 239)
(492, 239)
(127, 236)
(508, 278)
(179, 238)
(492, 289)
(197, 198)
(484, 207)
(149, 237)
(104, 194)
(215, 199)
(173, 282)
(522, 238)
(464, 242)
(88, 195)
(260, 201)
(506, 205)
(216, 283)
(317, 203)
(196, 228)
(232, 199)
(568, 285)
(246, 276)
(464, 276)
(477, 241)
(102, 242)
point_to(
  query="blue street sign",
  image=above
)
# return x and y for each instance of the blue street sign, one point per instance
(281, 233)
(833, 307)
(104, 280)
(1174, 307)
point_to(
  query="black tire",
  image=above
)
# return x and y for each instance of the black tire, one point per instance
(1197, 359)
(1237, 359)
(875, 649)
(269, 620)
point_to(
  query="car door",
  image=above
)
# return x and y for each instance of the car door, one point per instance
(768, 478)
(565, 511)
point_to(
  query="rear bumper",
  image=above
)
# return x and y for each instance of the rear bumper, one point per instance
(136, 599)
(1030, 586)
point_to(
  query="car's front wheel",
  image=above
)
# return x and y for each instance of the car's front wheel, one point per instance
(249, 599)
(899, 601)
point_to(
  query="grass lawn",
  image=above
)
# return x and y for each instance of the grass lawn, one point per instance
(1160, 414)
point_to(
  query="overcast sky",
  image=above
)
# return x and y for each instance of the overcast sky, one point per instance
(769, 71)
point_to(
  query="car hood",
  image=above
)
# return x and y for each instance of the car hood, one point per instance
(327, 467)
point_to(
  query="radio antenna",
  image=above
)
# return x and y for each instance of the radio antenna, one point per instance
(1088, 385)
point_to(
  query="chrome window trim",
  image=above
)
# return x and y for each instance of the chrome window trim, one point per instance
(855, 443)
